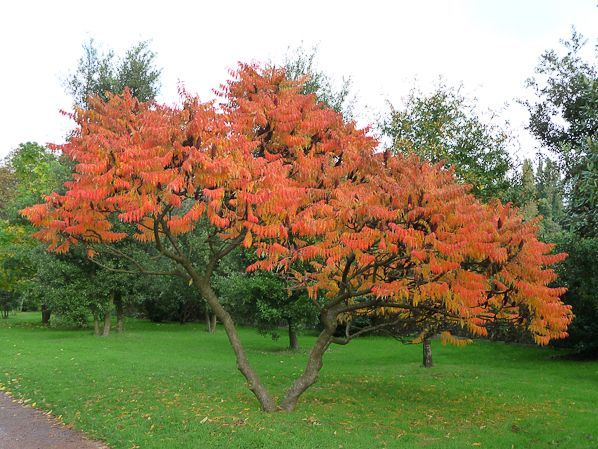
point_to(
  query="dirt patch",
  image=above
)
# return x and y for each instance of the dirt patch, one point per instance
(26, 428)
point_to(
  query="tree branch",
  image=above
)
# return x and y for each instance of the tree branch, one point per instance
(140, 270)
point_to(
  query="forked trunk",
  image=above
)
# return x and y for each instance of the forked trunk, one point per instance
(310, 375)
(314, 363)
(253, 380)
(96, 326)
(293, 341)
(427, 345)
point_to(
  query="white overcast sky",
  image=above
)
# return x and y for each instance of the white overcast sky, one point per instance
(491, 46)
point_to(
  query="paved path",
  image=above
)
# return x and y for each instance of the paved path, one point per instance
(26, 428)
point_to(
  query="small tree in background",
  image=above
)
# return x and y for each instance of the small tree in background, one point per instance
(267, 301)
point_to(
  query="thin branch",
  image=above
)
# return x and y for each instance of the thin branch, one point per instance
(348, 338)
(159, 244)
(223, 252)
(142, 271)
(170, 237)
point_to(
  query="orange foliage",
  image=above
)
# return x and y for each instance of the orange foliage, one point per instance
(381, 233)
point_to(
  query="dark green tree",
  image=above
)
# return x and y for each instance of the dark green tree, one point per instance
(99, 73)
(564, 118)
(579, 273)
(564, 112)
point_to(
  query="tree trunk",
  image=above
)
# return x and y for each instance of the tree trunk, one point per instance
(210, 319)
(310, 375)
(255, 384)
(108, 316)
(96, 326)
(427, 345)
(293, 342)
(107, 322)
(120, 313)
(46, 312)
(314, 363)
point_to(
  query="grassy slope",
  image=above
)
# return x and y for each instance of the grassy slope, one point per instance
(155, 385)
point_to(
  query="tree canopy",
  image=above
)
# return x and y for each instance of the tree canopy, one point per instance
(271, 168)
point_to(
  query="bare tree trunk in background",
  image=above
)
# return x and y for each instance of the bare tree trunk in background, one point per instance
(46, 314)
(210, 318)
(427, 345)
(120, 313)
(310, 374)
(108, 316)
(96, 326)
(293, 342)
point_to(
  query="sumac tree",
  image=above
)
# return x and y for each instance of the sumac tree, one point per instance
(269, 167)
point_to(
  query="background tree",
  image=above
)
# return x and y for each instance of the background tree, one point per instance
(266, 301)
(300, 64)
(13, 273)
(564, 118)
(446, 126)
(8, 185)
(33, 171)
(100, 73)
(550, 197)
(540, 190)
(528, 191)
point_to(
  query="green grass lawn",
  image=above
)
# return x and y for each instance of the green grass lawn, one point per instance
(167, 386)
